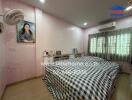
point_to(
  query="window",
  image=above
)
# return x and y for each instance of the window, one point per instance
(100, 45)
(93, 45)
(111, 44)
(119, 45)
(116, 44)
(97, 45)
(123, 44)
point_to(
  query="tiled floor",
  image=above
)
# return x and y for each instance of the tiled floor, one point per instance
(29, 90)
(123, 90)
(36, 90)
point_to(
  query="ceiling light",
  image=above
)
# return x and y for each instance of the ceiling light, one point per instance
(85, 24)
(42, 1)
(128, 8)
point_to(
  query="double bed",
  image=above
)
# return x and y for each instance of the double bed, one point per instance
(84, 78)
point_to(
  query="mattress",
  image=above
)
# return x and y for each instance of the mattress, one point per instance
(85, 78)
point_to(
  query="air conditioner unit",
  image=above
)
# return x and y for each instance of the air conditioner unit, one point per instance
(108, 26)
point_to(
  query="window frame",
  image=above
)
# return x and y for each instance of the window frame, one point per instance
(106, 44)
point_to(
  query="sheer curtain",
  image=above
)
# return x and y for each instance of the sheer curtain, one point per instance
(112, 45)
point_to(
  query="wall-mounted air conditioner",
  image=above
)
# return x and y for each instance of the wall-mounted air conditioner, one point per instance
(108, 26)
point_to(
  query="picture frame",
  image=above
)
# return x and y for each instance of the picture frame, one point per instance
(26, 32)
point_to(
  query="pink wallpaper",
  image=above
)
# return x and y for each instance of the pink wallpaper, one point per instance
(2, 64)
(20, 58)
(2, 59)
(55, 34)
(23, 61)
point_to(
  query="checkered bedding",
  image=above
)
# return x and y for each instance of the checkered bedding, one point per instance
(85, 78)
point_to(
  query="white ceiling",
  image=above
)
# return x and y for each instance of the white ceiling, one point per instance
(77, 12)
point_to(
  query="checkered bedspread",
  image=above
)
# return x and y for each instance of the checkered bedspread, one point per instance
(85, 78)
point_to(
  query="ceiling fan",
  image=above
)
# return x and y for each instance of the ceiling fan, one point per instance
(12, 16)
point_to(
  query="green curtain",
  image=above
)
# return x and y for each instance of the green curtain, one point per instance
(112, 45)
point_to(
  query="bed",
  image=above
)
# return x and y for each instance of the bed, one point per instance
(84, 78)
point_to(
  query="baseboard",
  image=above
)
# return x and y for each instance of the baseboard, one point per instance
(24, 80)
(15, 83)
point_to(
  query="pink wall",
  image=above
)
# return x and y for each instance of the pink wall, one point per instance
(23, 61)
(55, 34)
(2, 64)
(2, 59)
(20, 58)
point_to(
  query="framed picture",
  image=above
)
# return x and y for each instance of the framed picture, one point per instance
(26, 32)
